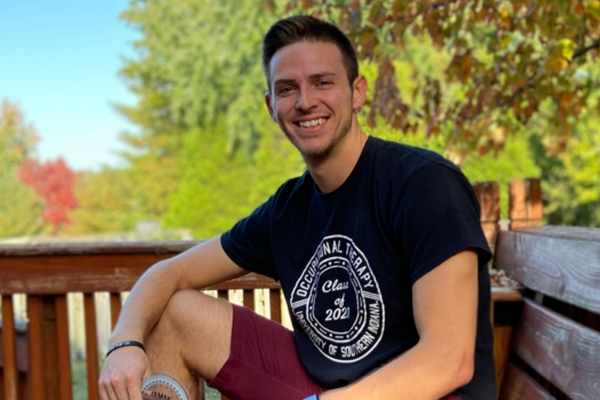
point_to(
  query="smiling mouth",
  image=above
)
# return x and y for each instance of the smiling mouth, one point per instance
(311, 123)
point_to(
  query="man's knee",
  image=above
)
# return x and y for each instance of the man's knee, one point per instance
(198, 327)
(191, 310)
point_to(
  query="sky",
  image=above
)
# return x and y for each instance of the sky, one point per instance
(59, 61)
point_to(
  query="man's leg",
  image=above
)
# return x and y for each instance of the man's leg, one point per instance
(192, 339)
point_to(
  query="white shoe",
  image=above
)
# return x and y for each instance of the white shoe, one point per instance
(162, 387)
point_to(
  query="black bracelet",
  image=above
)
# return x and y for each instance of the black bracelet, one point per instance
(125, 343)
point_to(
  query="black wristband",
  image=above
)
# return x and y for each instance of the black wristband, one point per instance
(125, 343)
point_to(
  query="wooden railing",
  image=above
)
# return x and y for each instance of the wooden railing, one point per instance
(35, 361)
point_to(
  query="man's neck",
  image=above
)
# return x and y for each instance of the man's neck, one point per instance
(331, 172)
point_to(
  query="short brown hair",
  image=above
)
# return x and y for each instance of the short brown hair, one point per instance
(303, 27)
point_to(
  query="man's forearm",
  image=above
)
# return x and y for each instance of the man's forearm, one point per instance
(145, 303)
(198, 267)
(422, 373)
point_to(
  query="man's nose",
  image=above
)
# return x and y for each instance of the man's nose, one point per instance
(305, 100)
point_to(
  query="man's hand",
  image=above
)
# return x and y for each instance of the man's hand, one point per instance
(123, 373)
(201, 266)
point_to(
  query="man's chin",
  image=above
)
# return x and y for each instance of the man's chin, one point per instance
(314, 153)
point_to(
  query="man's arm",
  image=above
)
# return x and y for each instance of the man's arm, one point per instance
(445, 310)
(198, 267)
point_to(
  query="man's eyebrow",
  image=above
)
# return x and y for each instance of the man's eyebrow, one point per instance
(284, 82)
(323, 75)
(319, 75)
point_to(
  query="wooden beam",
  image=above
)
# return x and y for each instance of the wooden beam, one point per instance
(559, 262)
(57, 274)
(562, 351)
(519, 386)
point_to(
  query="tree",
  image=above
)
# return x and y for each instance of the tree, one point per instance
(505, 59)
(20, 208)
(54, 182)
(198, 64)
(218, 188)
(571, 180)
(467, 79)
(107, 203)
(193, 70)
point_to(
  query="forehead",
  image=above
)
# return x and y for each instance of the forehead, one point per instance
(305, 58)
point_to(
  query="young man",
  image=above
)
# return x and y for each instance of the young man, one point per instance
(378, 249)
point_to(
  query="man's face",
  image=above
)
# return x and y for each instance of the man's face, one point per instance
(310, 96)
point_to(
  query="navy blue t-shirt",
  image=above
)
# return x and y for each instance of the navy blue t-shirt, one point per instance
(347, 260)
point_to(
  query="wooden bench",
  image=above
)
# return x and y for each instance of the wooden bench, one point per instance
(555, 348)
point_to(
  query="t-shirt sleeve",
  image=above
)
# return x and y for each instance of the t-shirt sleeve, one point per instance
(438, 217)
(248, 242)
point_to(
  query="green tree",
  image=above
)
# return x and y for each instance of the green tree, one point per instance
(197, 64)
(507, 57)
(219, 188)
(106, 203)
(20, 208)
(197, 67)
(571, 180)
(467, 79)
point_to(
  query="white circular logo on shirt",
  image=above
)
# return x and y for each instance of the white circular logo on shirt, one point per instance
(337, 301)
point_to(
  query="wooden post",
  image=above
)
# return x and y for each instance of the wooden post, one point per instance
(525, 207)
(115, 308)
(488, 194)
(275, 300)
(62, 343)
(44, 358)
(91, 345)
(9, 353)
(249, 298)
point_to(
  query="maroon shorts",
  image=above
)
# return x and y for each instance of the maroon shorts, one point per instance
(263, 363)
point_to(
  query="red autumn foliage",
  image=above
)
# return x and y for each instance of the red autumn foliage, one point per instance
(54, 182)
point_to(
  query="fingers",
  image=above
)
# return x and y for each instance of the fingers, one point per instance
(134, 388)
(104, 395)
(121, 377)
(121, 389)
(117, 388)
(112, 395)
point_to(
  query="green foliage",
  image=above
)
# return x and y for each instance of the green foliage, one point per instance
(198, 64)
(20, 207)
(217, 189)
(471, 80)
(508, 57)
(197, 69)
(571, 180)
(513, 160)
(107, 203)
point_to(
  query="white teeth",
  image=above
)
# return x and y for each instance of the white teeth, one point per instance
(311, 123)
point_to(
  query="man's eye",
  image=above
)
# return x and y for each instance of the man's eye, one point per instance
(282, 91)
(324, 83)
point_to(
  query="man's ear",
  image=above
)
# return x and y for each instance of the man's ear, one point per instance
(359, 93)
(269, 105)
